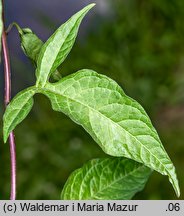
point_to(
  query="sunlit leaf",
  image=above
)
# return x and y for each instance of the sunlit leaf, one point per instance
(106, 179)
(115, 121)
(58, 46)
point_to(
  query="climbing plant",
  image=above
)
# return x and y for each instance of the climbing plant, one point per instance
(118, 124)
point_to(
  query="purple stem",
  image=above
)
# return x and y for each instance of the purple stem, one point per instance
(7, 97)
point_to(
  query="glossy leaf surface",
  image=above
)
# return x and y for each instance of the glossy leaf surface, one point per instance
(58, 46)
(106, 179)
(115, 121)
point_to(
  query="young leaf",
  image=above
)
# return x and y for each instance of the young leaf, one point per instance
(115, 121)
(30, 43)
(31, 46)
(106, 179)
(17, 110)
(58, 46)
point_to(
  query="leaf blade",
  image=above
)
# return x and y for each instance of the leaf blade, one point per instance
(58, 46)
(31, 46)
(106, 179)
(116, 122)
(17, 110)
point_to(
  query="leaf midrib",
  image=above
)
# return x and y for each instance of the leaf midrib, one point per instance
(119, 179)
(66, 96)
(113, 182)
(62, 59)
(8, 128)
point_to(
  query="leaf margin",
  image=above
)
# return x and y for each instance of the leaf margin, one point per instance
(85, 176)
(170, 172)
(9, 126)
(43, 73)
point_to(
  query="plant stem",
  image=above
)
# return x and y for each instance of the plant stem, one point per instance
(7, 97)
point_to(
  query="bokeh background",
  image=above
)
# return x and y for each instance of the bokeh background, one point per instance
(138, 43)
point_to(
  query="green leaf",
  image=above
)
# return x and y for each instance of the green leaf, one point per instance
(115, 121)
(31, 46)
(17, 110)
(58, 46)
(30, 43)
(106, 179)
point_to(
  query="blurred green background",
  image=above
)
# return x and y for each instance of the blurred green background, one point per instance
(139, 44)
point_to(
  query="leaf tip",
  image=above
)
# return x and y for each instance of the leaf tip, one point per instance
(93, 4)
(5, 132)
(177, 191)
(174, 181)
(90, 6)
(5, 137)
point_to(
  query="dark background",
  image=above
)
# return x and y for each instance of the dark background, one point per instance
(138, 43)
